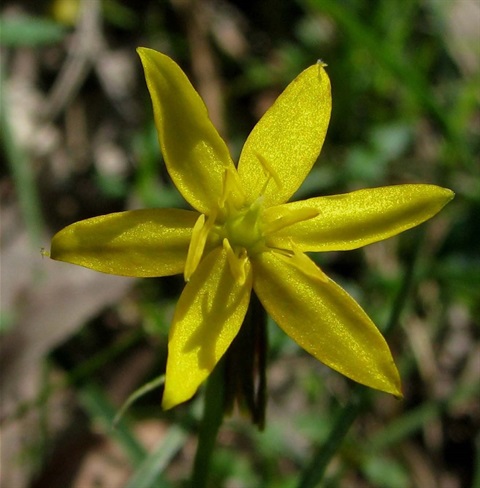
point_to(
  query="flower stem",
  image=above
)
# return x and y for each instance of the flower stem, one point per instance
(209, 426)
(313, 475)
(238, 377)
(245, 365)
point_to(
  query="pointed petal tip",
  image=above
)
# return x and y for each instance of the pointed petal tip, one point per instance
(440, 196)
(396, 390)
(146, 52)
(392, 384)
(169, 401)
(449, 194)
(142, 51)
(441, 193)
(388, 381)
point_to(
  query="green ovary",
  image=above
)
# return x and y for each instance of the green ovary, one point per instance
(244, 229)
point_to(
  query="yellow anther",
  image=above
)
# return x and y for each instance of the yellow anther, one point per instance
(195, 250)
(291, 217)
(232, 194)
(237, 264)
(270, 172)
(303, 263)
(200, 233)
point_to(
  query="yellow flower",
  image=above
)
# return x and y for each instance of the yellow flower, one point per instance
(242, 235)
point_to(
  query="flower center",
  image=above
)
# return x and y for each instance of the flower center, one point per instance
(233, 225)
(243, 228)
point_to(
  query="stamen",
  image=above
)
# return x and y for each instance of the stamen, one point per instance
(227, 184)
(303, 263)
(231, 191)
(291, 217)
(284, 252)
(195, 249)
(200, 233)
(267, 167)
(237, 264)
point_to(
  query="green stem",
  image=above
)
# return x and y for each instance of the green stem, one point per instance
(418, 237)
(245, 365)
(313, 475)
(239, 378)
(209, 426)
(315, 471)
(22, 172)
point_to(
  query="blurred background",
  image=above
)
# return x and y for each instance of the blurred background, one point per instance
(78, 140)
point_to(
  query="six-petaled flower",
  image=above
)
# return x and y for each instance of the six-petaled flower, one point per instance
(242, 235)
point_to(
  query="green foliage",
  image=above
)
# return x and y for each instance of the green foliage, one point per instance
(30, 31)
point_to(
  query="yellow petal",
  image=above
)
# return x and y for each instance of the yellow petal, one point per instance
(323, 319)
(139, 243)
(356, 219)
(195, 155)
(287, 140)
(208, 316)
